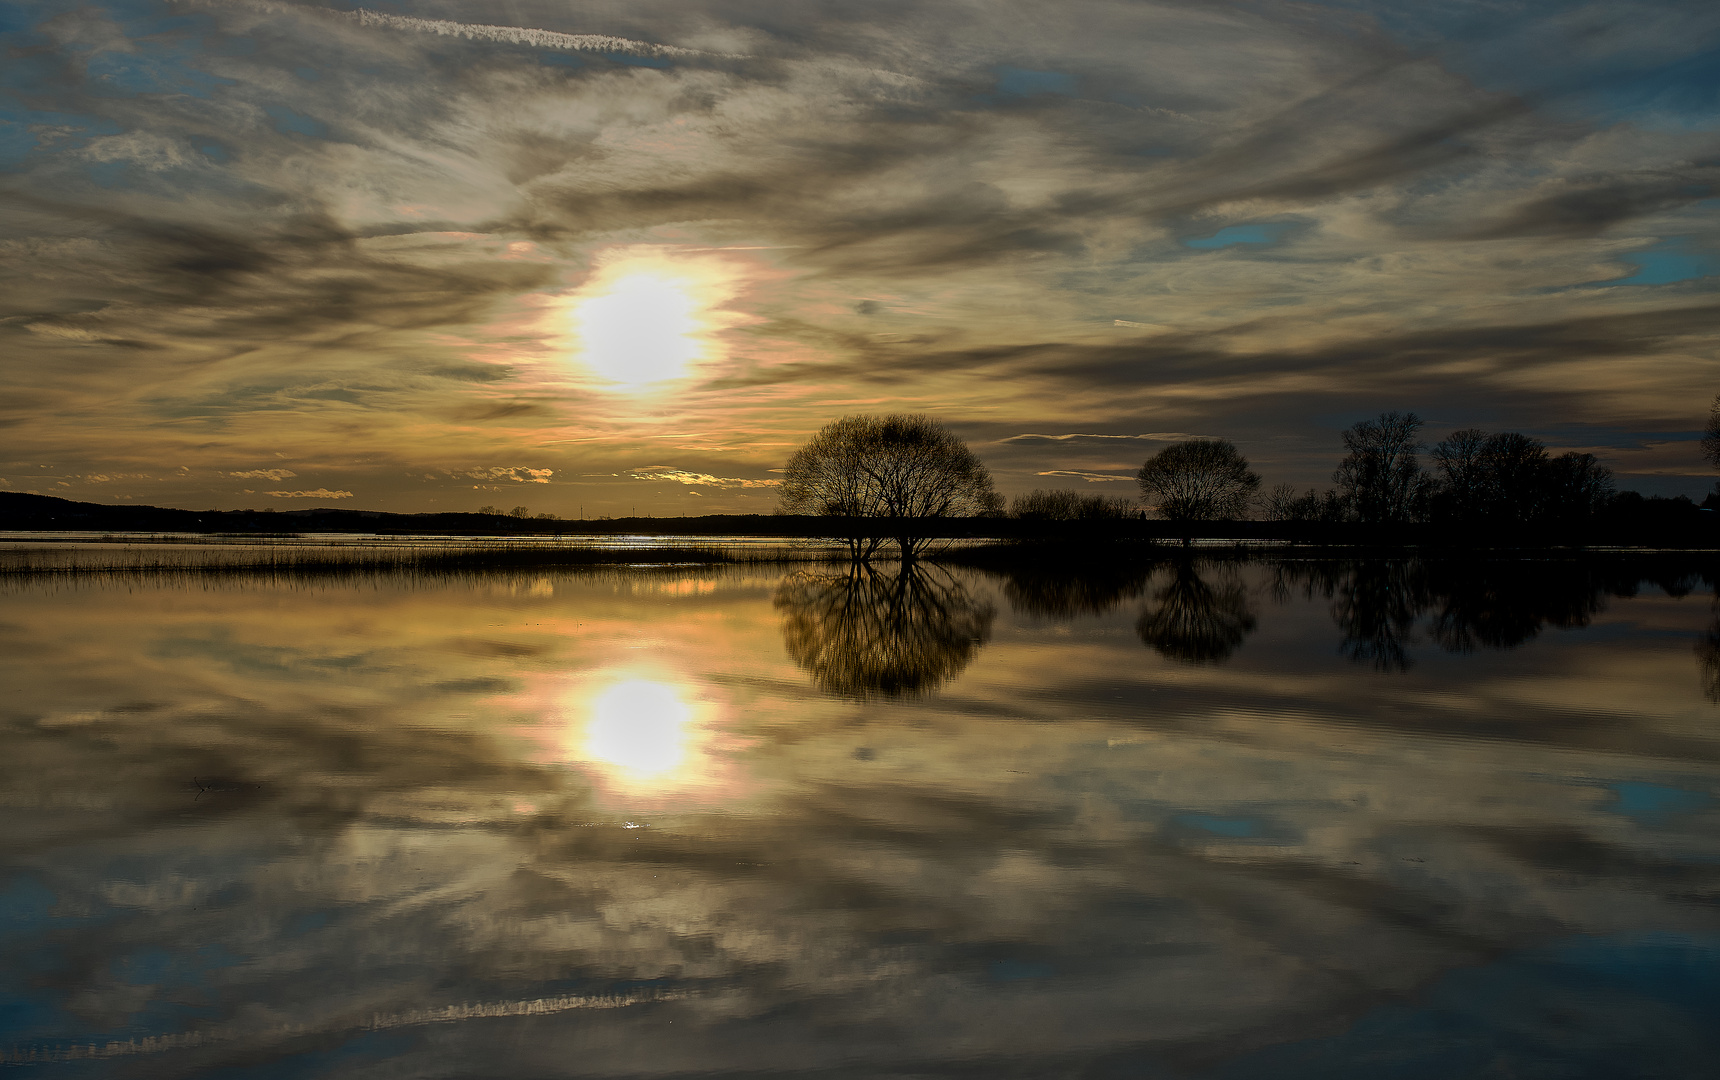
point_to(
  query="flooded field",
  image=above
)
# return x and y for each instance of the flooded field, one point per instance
(1201, 817)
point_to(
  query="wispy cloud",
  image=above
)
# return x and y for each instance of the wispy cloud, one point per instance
(518, 473)
(264, 474)
(1153, 436)
(319, 493)
(1090, 477)
(519, 35)
(682, 476)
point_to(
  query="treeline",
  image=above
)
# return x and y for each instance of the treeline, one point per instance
(1470, 478)
(1505, 478)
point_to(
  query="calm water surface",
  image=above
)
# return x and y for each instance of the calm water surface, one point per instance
(1201, 820)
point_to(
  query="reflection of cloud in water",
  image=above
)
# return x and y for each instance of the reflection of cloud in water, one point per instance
(865, 633)
(1081, 863)
(1194, 621)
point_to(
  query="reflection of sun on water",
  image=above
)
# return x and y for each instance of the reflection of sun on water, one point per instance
(648, 736)
(648, 315)
(640, 728)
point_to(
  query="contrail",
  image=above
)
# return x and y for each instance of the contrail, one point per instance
(157, 1044)
(521, 35)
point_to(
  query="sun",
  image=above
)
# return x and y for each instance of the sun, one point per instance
(649, 315)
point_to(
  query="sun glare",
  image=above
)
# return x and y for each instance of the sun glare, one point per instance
(640, 728)
(647, 736)
(648, 316)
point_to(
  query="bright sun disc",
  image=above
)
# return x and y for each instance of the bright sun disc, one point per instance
(645, 317)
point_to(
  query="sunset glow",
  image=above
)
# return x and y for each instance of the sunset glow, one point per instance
(635, 243)
(640, 729)
(646, 317)
(646, 735)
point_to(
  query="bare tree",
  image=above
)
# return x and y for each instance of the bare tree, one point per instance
(1711, 435)
(1071, 506)
(1198, 480)
(1283, 504)
(1380, 478)
(1460, 459)
(1510, 477)
(900, 468)
(1578, 486)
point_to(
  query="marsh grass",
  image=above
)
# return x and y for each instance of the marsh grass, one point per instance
(292, 560)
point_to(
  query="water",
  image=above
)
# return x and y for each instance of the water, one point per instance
(1212, 820)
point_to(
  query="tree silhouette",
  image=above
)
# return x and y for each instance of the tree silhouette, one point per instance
(1711, 435)
(1194, 622)
(1071, 506)
(1460, 459)
(866, 634)
(899, 468)
(1198, 480)
(1380, 478)
(1509, 479)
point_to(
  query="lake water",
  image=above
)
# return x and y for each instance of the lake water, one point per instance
(1207, 819)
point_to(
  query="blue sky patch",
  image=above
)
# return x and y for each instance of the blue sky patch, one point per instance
(1021, 82)
(1238, 234)
(16, 142)
(1667, 262)
(288, 122)
(153, 69)
(72, 130)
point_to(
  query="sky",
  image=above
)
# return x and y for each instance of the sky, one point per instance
(609, 258)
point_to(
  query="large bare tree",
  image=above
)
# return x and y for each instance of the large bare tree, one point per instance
(1198, 480)
(1380, 478)
(901, 468)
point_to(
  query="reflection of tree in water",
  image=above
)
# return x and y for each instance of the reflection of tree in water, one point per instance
(1064, 592)
(1708, 656)
(1471, 604)
(1375, 606)
(1501, 606)
(865, 633)
(1196, 622)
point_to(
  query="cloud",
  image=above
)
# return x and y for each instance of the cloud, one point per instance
(264, 474)
(914, 240)
(517, 473)
(319, 493)
(682, 476)
(1090, 477)
(517, 35)
(1155, 436)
